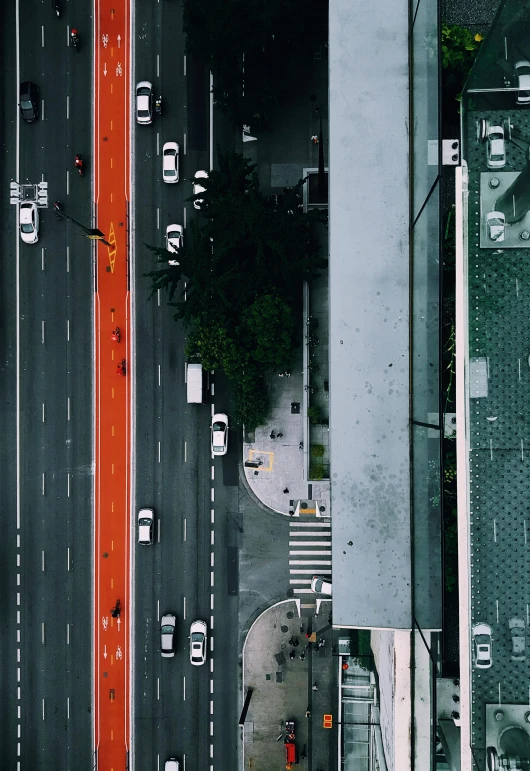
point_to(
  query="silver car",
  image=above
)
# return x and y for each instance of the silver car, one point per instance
(167, 635)
(496, 148)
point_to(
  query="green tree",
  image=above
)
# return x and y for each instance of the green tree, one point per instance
(269, 325)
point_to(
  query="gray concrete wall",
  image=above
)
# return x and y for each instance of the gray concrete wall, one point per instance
(369, 313)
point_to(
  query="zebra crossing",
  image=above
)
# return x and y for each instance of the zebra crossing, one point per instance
(309, 553)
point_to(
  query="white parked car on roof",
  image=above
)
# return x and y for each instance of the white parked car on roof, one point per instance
(481, 634)
(522, 73)
(496, 147)
(496, 225)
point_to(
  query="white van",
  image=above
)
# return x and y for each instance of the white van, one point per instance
(194, 383)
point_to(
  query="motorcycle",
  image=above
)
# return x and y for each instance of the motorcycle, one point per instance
(76, 40)
(79, 164)
(57, 7)
(158, 106)
(116, 335)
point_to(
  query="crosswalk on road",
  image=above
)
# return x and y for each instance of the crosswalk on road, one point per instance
(309, 553)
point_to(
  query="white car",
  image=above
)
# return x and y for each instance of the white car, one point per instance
(167, 635)
(29, 223)
(170, 162)
(144, 102)
(496, 225)
(171, 764)
(219, 434)
(198, 639)
(320, 585)
(174, 241)
(481, 634)
(522, 73)
(496, 147)
(146, 519)
(198, 187)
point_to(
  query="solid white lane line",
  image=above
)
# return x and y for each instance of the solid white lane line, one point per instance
(158, 218)
(184, 610)
(42, 258)
(42, 561)
(42, 634)
(42, 333)
(159, 450)
(68, 330)
(184, 65)
(68, 259)
(184, 144)
(42, 110)
(159, 375)
(68, 409)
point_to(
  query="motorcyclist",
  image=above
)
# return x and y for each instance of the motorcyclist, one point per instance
(74, 34)
(78, 162)
(116, 336)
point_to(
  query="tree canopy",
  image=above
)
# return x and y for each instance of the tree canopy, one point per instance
(245, 262)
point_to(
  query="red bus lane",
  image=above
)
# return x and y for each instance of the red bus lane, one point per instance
(112, 385)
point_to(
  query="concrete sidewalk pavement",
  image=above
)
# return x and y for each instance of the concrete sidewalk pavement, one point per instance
(282, 689)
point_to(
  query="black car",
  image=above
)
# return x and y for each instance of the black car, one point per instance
(29, 101)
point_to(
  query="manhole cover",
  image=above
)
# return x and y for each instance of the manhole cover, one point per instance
(284, 628)
(303, 505)
(289, 614)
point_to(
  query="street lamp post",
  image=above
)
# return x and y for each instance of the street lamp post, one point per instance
(93, 233)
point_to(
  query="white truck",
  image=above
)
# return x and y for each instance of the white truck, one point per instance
(194, 383)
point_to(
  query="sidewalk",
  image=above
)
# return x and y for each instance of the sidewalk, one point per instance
(282, 689)
(279, 464)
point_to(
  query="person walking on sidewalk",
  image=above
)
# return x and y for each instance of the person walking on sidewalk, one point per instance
(315, 686)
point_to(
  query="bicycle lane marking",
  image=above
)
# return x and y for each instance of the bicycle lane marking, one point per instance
(112, 397)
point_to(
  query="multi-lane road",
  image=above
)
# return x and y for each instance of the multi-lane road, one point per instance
(48, 462)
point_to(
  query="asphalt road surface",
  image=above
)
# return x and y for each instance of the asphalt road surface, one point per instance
(46, 462)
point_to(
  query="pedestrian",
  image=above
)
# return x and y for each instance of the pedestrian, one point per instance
(279, 436)
(302, 656)
(287, 374)
(301, 446)
(272, 435)
(307, 635)
(286, 491)
(315, 687)
(291, 512)
(317, 109)
(291, 641)
(292, 655)
(296, 642)
(281, 374)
